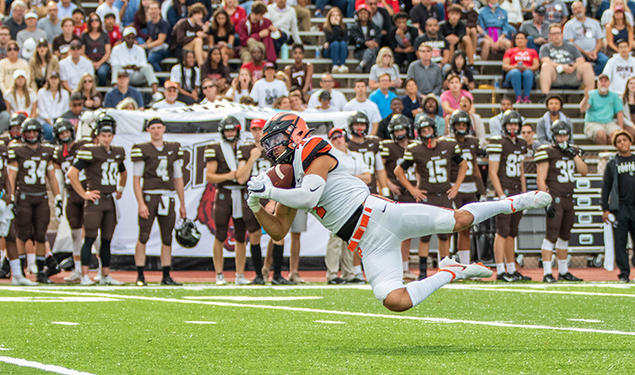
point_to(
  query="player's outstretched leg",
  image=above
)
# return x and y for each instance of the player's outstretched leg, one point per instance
(481, 211)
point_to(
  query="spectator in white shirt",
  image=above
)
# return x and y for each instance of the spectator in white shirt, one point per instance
(65, 9)
(171, 94)
(106, 7)
(620, 67)
(73, 67)
(285, 19)
(52, 102)
(132, 58)
(188, 76)
(338, 100)
(361, 103)
(31, 30)
(267, 89)
(209, 91)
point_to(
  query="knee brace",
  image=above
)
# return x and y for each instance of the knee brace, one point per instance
(547, 245)
(562, 244)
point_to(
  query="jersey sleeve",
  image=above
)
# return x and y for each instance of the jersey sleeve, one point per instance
(243, 153)
(312, 149)
(384, 152)
(457, 156)
(180, 153)
(494, 149)
(84, 158)
(408, 158)
(11, 155)
(210, 153)
(542, 154)
(122, 166)
(136, 153)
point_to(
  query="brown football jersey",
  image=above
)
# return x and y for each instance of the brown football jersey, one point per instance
(260, 166)
(6, 138)
(158, 170)
(469, 152)
(64, 157)
(392, 155)
(560, 180)
(32, 164)
(433, 165)
(3, 165)
(102, 167)
(369, 150)
(214, 152)
(511, 156)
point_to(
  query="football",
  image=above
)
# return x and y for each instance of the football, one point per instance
(281, 176)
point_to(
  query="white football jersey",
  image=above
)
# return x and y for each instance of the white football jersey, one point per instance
(343, 192)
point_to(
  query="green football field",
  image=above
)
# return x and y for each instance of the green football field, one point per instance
(469, 328)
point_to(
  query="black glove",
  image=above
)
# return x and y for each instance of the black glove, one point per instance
(550, 210)
(573, 151)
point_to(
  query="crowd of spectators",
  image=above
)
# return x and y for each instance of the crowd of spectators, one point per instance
(51, 53)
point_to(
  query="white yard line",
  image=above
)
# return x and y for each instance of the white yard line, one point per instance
(346, 313)
(65, 323)
(565, 292)
(251, 298)
(586, 320)
(41, 366)
(199, 322)
(329, 322)
(57, 299)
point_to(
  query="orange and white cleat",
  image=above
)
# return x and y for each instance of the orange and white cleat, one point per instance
(463, 271)
(529, 200)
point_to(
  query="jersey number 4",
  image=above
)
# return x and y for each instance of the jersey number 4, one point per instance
(162, 170)
(109, 173)
(437, 171)
(567, 168)
(35, 172)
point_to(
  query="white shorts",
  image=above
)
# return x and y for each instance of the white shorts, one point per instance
(389, 224)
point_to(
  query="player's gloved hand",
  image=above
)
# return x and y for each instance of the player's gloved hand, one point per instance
(59, 206)
(253, 203)
(260, 187)
(550, 210)
(572, 151)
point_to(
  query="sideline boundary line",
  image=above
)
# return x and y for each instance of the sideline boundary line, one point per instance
(349, 313)
(41, 366)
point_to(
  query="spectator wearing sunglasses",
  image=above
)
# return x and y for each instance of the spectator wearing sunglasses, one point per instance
(76, 109)
(10, 64)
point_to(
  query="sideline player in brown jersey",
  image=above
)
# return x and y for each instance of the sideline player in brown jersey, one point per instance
(460, 123)
(30, 166)
(391, 151)
(64, 133)
(105, 177)
(160, 164)
(221, 169)
(506, 155)
(15, 128)
(433, 159)
(555, 166)
(253, 162)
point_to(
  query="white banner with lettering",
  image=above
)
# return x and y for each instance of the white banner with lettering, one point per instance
(198, 196)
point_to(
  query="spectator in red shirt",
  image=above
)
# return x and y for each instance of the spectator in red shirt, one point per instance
(520, 63)
(257, 28)
(236, 13)
(257, 63)
(79, 26)
(112, 29)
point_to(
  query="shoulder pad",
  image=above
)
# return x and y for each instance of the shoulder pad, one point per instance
(412, 145)
(386, 141)
(543, 147)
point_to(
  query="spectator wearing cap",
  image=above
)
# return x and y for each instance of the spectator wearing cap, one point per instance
(267, 89)
(74, 66)
(554, 113)
(62, 42)
(620, 67)
(209, 91)
(65, 9)
(132, 58)
(188, 33)
(327, 83)
(383, 95)
(121, 91)
(325, 103)
(5, 37)
(97, 48)
(618, 29)
(20, 97)
(79, 26)
(603, 112)
(365, 36)
(52, 102)
(171, 95)
(108, 6)
(31, 31)
(51, 23)
(76, 109)
(10, 64)
(112, 29)
(606, 11)
(426, 73)
(15, 21)
(28, 48)
(362, 104)
(188, 76)
(42, 63)
(257, 28)
(586, 35)
(158, 42)
(562, 64)
(536, 28)
(431, 107)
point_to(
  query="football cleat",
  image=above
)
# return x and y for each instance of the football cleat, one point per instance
(141, 282)
(356, 280)
(108, 280)
(21, 280)
(169, 281)
(568, 277)
(461, 271)
(220, 279)
(85, 280)
(258, 281)
(529, 200)
(279, 280)
(241, 280)
(52, 267)
(623, 279)
(549, 279)
(42, 278)
(505, 277)
(73, 277)
(520, 277)
(5, 269)
(336, 281)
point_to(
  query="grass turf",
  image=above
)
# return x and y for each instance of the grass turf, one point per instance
(145, 332)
